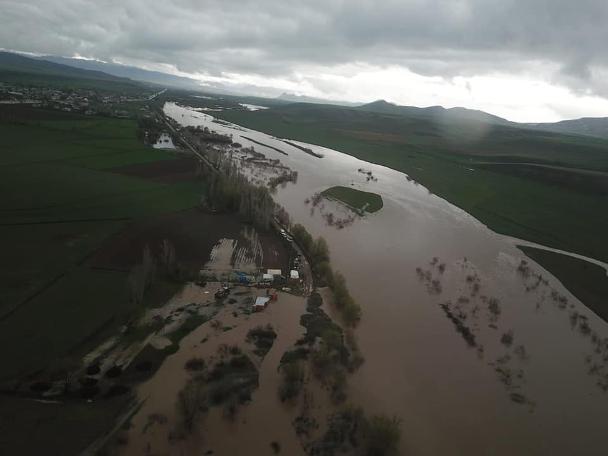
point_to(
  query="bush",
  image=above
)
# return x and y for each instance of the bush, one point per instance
(382, 435)
(191, 402)
(263, 337)
(195, 364)
(292, 380)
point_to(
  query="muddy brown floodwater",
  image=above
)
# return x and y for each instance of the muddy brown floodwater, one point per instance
(474, 355)
(264, 420)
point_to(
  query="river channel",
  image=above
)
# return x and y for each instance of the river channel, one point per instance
(530, 380)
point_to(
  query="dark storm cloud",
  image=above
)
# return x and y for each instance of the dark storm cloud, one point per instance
(276, 37)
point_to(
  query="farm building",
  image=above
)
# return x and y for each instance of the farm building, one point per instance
(267, 278)
(260, 303)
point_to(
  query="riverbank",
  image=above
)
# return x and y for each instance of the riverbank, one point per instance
(586, 281)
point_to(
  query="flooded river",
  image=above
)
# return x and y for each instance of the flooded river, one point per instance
(525, 374)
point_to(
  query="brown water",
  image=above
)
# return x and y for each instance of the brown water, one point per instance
(450, 398)
(257, 424)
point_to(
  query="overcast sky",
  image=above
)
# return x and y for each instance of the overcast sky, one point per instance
(526, 60)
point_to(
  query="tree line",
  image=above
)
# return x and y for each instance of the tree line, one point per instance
(230, 191)
(317, 252)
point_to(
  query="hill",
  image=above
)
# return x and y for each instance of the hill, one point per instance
(20, 69)
(126, 71)
(293, 98)
(589, 126)
(439, 113)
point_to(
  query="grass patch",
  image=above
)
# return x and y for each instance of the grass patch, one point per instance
(356, 199)
(584, 280)
(191, 323)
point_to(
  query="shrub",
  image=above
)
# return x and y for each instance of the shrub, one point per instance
(382, 435)
(263, 337)
(292, 380)
(195, 364)
(191, 401)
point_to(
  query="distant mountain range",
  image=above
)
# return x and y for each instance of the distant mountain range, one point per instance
(16, 64)
(126, 71)
(14, 67)
(589, 126)
(438, 112)
(293, 98)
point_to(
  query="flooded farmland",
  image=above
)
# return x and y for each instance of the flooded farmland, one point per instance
(476, 351)
(155, 426)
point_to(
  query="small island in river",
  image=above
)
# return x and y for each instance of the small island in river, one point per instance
(358, 200)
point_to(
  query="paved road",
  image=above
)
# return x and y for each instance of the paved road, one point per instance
(190, 147)
(305, 269)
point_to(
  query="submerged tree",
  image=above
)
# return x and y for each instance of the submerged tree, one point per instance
(382, 436)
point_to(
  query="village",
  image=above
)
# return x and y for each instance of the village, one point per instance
(297, 281)
(90, 102)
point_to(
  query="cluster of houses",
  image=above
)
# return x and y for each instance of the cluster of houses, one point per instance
(269, 280)
(274, 277)
(84, 101)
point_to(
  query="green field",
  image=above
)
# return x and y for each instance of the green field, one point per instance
(33, 428)
(61, 199)
(459, 161)
(586, 281)
(358, 200)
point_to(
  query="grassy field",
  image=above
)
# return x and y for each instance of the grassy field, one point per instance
(356, 199)
(28, 427)
(61, 199)
(455, 161)
(588, 282)
(64, 195)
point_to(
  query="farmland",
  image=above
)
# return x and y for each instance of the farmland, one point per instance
(61, 198)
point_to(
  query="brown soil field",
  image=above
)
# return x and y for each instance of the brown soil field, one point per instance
(192, 232)
(166, 171)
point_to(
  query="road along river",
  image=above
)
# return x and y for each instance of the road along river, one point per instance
(475, 351)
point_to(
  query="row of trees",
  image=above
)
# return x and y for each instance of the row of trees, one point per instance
(148, 129)
(142, 275)
(317, 252)
(229, 190)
